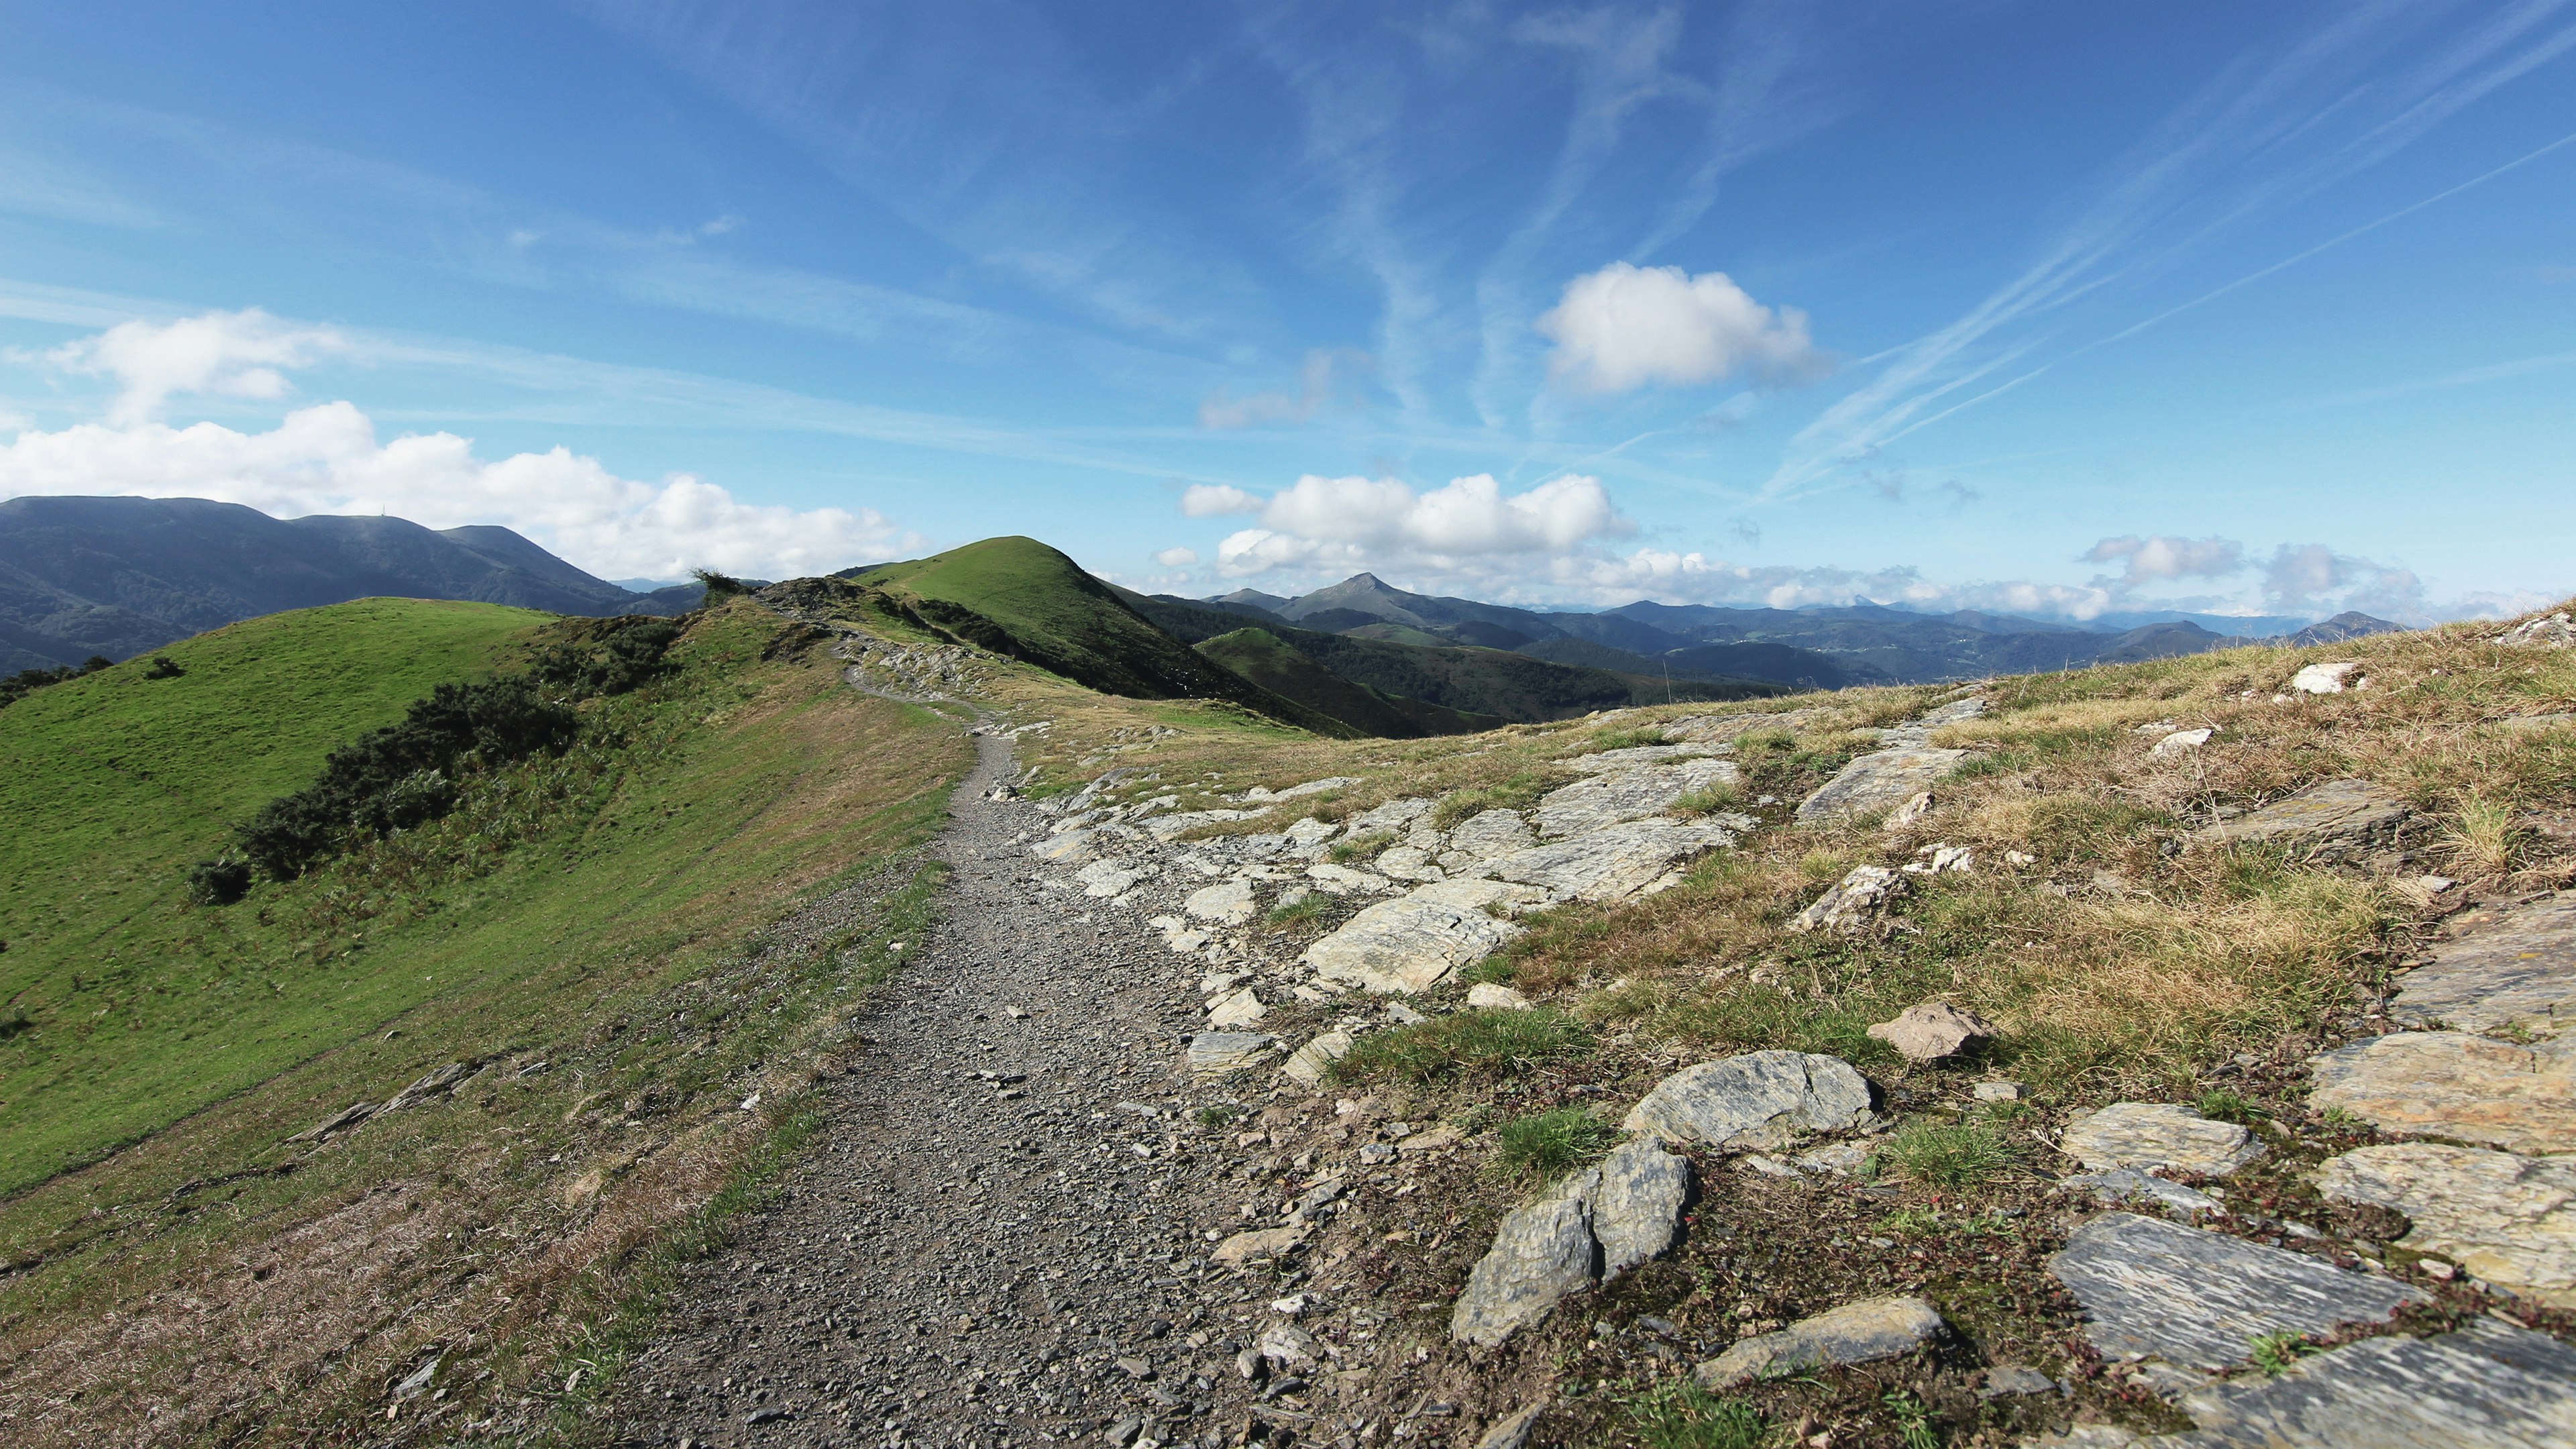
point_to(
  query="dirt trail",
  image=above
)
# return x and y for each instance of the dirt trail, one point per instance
(1008, 1202)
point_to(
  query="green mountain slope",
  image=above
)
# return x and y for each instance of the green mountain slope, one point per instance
(1266, 660)
(1016, 596)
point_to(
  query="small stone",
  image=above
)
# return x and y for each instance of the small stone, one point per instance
(1834, 1159)
(2556, 631)
(2121, 1184)
(1136, 1368)
(1487, 996)
(1252, 1247)
(1436, 1139)
(417, 1382)
(2321, 678)
(2507, 1219)
(2013, 1380)
(1851, 903)
(1239, 1007)
(1956, 859)
(2182, 742)
(1541, 1253)
(1998, 1091)
(2153, 1136)
(1932, 1031)
(1755, 1100)
(1377, 1153)
(1227, 903)
(1514, 1432)
(1403, 1015)
(1310, 1062)
(2199, 1299)
(1637, 1205)
(1910, 813)
(1288, 1346)
(1223, 1053)
(1863, 1332)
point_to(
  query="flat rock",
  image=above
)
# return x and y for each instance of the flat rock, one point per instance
(1600, 760)
(1227, 903)
(1862, 1332)
(1239, 1007)
(1882, 780)
(1486, 835)
(2182, 742)
(1251, 1247)
(1073, 847)
(2556, 631)
(1513, 1432)
(1311, 787)
(1172, 827)
(2322, 678)
(1223, 1053)
(1408, 862)
(1307, 1065)
(2014, 1380)
(1341, 880)
(1390, 818)
(1542, 1252)
(1106, 878)
(1753, 1101)
(2508, 967)
(2153, 1136)
(1414, 942)
(1851, 903)
(2490, 1385)
(1932, 1031)
(1612, 863)
(1487, 996)
(1633, 793)
(2123, 1184)
(1637, 1203)
(2452, 1084)
(1309, 833)
(2507, 1219)
(2329, 823)
(2199, 1299)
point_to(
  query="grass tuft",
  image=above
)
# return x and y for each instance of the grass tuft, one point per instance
(1296, 912)
(1483, 1044)
(1945, 1154)
(1547, 1145)
(1678, 1414)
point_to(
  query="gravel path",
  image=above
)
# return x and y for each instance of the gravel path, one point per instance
(1002, 1237)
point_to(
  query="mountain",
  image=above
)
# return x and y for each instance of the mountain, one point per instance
(119, 576)
(2350, 624)
(1275, 665)
(1016, 596)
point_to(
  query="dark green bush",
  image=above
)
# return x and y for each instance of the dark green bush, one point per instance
(218, 882)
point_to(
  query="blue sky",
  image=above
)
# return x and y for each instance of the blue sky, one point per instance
(2065, 308)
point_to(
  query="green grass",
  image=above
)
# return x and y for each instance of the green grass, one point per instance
(1308, 907)
(1948, 1154)
(1463, 1044)
(1551, 1144)
(1678, 1414)
(1518, 792)
(2277, 1353)
(142, 1008)
(608, 912)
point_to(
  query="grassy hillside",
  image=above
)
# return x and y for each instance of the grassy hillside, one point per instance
(622, 945)
(1018, 597)
(1261, 656)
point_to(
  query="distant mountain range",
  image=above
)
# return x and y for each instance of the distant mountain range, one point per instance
(1818, 648)
(119, 576)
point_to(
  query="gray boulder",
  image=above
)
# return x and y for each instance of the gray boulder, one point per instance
(2153, 1136)
(1755, 1101)
(1541, 1253)
(1613, 863)
(2337, 822)
(1633, 793)
(1637, 1204)
(1852, 902)
(1863, 1332)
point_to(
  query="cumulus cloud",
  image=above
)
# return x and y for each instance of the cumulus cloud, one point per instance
(1214, 500)
(1624, 327)
(2313, 577)
(1366, 522)
(224, 354)
(2160, 558)
(1318, 380)
(1177, 558)
(327, 459)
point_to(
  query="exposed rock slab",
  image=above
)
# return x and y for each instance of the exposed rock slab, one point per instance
(1073, 847)
(1633, 793)
(1391, 817)
(2509, 967)
(2452, 1084)
(2125, 1184)
(1172, 827)
(1254, 1246)
(2153, 1136)
(1613, 863)
(2329, 823)
(2322, 678)
(1879, 781)
(2199, 1299)
(1863, 1332)
(1106, 878)
(1513, 1432)
(1412, 943)
(1600, 760)
(1308, 1064)
(1637, 1203)
(2556, 631)
(1852, 902)
(1932, 1031)
(1486, 835)
(1228, 903)
(2507, 1219)
(1223, 1053)
(2488, 1386)
(1239, 1007)
(1753, 1101)
(1542, 1252)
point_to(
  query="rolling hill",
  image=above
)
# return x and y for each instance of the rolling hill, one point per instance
(1271, 662)
(118, 576)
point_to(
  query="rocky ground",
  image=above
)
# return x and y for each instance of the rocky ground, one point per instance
(1091, 1176)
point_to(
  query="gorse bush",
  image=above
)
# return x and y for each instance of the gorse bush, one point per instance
(409, 773)
(28, 681)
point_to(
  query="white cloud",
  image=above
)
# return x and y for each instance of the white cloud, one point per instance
(1212, 500)
(326, 459)
(227, 354)
(1177, 558)
(1623, 327)
(2157, 558)
(1369, 522)
(2313, 577)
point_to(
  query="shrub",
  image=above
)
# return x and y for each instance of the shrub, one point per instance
(162, 667)
(1550, 1144)
(218, 882)
(608, 656)
(718, 586)
(1465, 1044)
